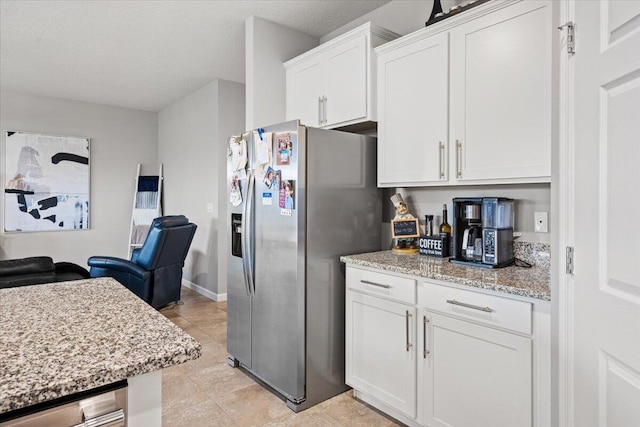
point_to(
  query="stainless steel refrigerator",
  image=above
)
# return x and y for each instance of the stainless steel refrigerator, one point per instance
(287, 231)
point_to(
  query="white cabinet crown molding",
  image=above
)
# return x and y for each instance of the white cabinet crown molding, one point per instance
(364, 29)
(445, 25)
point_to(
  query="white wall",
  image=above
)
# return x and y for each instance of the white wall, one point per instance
(120, 138)
(192, 135)
(268, 46)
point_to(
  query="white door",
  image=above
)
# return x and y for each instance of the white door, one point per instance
(501, 94)
(380, 350)
(413, 113)
(474, 375)
(347, 82)
(604, 293)
(305, 87)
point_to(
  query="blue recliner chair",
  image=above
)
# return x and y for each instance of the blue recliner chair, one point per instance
(155, 270)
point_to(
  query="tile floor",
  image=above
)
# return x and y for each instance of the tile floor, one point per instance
(209, 392)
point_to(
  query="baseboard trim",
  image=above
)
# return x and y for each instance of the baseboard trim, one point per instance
(204, 291)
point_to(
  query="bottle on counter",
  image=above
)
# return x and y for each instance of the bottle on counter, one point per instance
(445, 231)
(445, 228)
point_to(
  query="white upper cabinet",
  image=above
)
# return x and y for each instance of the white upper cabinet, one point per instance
(333, 85)
(501, 94)
(413, 110)
(346, 90)
(468, 100)
(304, 92)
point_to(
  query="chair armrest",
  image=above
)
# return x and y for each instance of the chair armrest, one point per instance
(117, 264)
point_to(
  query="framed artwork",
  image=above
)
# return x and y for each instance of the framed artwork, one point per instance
(46, 184)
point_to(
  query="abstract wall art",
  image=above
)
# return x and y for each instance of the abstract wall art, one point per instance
(46, 182)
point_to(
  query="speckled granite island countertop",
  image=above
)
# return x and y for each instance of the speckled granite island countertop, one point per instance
(62, 338)
(527, 282)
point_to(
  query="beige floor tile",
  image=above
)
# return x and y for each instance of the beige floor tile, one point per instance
(302, 419)
(252, 405)
(180, 394)
(220, 378)
(218, 332)
(348, 411)
(199, 415)
(206, 317)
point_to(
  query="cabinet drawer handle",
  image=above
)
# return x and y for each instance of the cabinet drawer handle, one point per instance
(459, 158)
(407, 317)
(425, 320)
(381, 285)
(441, 160)
(475, 307)
(319, 110)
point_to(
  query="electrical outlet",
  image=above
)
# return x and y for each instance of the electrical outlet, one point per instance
(541, 220)
(210, 207)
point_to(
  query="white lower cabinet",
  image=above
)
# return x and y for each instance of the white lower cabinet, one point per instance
(435, 355)
(473, 375)
(380, 350)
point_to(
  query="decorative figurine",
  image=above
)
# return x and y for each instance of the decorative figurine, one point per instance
(404, 228)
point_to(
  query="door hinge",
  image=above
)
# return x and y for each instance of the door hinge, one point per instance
(571, 36)
(569, 263)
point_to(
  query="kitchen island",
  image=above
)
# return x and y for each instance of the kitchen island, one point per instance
(60, 339)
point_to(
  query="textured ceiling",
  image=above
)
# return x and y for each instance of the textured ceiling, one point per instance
(142, 54)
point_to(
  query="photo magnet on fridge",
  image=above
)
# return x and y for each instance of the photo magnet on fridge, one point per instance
(235, 195)
(269, 177)
(286, 195)
(284, 149)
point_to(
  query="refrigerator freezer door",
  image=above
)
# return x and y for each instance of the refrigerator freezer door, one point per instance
(278, 305)
(238, 297)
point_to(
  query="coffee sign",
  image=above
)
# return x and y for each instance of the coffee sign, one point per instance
(434, 246)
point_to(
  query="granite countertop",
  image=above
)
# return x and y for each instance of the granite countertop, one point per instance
(527, 282)
(62, 338)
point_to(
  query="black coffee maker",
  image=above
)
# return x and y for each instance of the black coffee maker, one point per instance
(483, 231)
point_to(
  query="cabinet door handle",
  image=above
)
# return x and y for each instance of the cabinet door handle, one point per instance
(324, 110)
(319, 110)
(475, 307)
(459, 158)
(407, 316)
(425, 320)
(382, 285)
(441, 160)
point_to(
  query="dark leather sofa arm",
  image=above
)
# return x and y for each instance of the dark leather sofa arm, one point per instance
(31, 265)
(26, 271)
(117, 264)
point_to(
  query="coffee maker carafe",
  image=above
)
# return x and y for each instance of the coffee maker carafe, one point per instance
(483, 231)
(472, 235)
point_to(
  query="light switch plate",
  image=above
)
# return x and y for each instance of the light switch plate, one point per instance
(541, 220)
